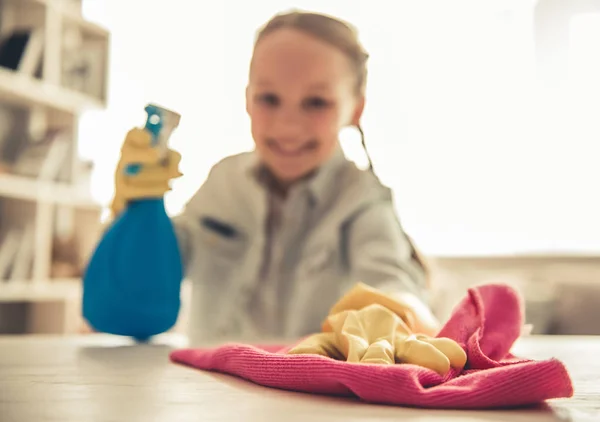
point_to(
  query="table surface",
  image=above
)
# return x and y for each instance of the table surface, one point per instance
(103, 378)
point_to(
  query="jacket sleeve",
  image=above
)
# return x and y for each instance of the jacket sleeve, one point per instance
(213, 198)
(380, 253)
(185, 226)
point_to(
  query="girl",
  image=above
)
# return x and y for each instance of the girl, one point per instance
(276, 236)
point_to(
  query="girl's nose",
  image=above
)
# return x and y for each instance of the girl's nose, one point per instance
(289, 124)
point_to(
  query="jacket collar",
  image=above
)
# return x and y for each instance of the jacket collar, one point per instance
(318, 185)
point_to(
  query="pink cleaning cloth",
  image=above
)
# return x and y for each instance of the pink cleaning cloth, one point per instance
(486, 324)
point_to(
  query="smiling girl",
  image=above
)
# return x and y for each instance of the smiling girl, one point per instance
(274, 237)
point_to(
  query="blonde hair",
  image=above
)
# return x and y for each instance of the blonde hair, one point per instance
(328, 29)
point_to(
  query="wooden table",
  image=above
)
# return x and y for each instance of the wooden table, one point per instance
(108, 379)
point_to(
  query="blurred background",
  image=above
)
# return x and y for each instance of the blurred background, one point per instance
(482, 116)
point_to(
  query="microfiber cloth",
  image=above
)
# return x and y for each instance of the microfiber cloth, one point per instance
(486, 323)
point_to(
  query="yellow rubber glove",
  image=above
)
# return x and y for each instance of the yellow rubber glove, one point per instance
(417, 316)
(377, 334)
(152, 181)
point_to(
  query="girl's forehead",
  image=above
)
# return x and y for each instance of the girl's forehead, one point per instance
(290, 55)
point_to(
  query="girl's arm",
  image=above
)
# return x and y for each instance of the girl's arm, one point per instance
(381, 255)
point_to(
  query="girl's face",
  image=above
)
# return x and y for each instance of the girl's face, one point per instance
(301, 93)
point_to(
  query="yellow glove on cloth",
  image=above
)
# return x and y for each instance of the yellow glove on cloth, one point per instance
(366, 326)
(412, 310)
(152, 181)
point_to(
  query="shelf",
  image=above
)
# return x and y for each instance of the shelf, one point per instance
(89, 28)
(40, 291)
(68, 15)
(44, 3)
(54, 209)
(18, 187)
(28, 92)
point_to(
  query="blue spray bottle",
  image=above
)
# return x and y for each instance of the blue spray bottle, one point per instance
(132, 284)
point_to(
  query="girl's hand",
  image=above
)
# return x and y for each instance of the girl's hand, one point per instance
(152, 181)
(413, 311)
(419, 316)
(377, 335)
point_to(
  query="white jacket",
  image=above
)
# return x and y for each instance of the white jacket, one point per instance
(336, 228)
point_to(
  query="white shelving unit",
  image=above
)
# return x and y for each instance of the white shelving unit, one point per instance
(42, 192)
(50, 100)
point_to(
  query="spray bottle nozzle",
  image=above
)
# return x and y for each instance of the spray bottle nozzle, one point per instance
(160, 122)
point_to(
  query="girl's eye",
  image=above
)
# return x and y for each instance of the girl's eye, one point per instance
(315, 102)
(269, 99)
